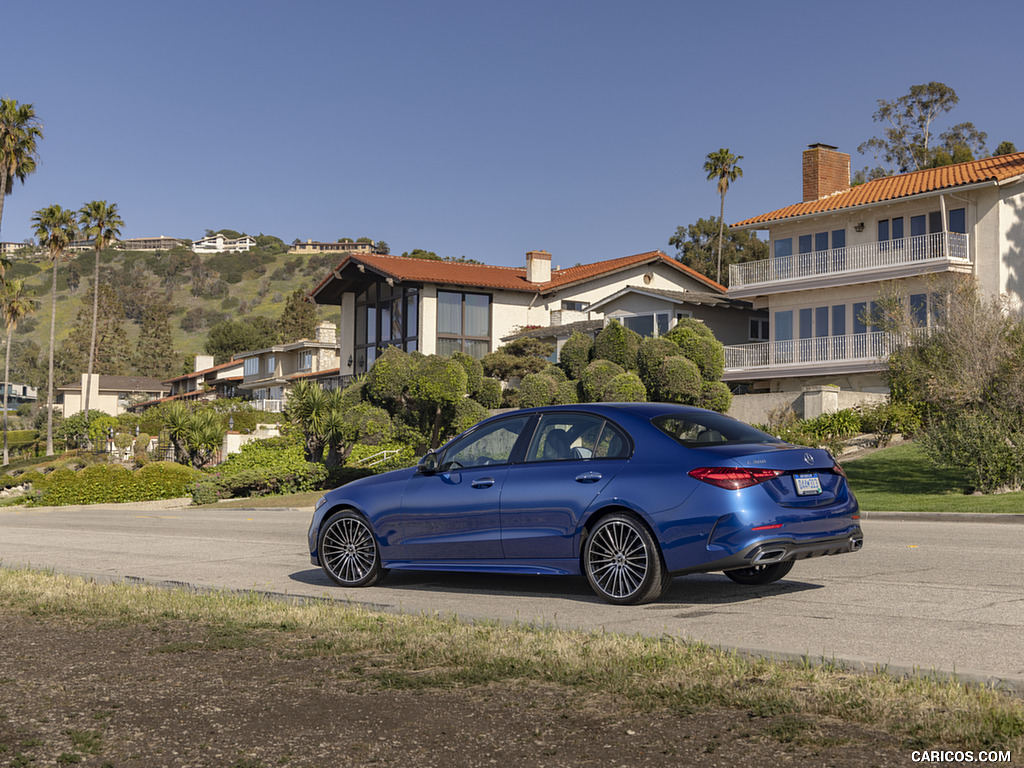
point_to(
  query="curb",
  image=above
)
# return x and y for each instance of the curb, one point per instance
(946, 517)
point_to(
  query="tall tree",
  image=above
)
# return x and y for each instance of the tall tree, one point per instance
(695, 247)
(16, 304)
(56, 227)
(113, 350)
(298, 318)
(908, 141)
(154, 354)
(722, 166)
(20, 130)
(100, 221)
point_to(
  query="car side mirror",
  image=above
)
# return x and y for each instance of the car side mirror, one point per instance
(428, 464)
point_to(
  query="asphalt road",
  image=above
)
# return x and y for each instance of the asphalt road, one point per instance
(921, 596)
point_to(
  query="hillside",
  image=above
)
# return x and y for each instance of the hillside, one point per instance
(202, 290)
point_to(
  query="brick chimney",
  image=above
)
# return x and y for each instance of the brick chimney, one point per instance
(825, 171)
(538, 267)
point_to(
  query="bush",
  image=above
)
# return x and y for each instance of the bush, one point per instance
(576, 354)
(276, 465)
(678, 381)
(405, 457)
(618, 344)
(537, 389)
(888, 419)
(567, 394)
(715, 396)
(596, 377)
(489, 394)
(624, 388)
(111, 483)
(474, 371)
(987, 449)
(700, 345)
(650, 356)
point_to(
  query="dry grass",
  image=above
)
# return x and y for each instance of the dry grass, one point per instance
(403, 651)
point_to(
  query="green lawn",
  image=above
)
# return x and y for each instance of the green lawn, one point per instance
(901, 479)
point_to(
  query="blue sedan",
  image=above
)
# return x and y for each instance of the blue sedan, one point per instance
(628, 494)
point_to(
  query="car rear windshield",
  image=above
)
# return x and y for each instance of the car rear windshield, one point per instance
(700, 430)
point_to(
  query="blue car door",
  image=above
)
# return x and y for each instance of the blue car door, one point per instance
(453, 514)
(570, 461)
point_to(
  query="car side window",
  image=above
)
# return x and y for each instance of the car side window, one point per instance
(487, 446)
(574, 436)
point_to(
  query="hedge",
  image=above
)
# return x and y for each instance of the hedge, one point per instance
(112, 483)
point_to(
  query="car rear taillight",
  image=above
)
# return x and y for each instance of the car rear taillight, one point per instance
(838, 470)
(733, 478)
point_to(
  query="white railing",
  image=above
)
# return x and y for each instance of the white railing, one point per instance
(854, 347)
(377, 458)
(866, 256)
(270, 406)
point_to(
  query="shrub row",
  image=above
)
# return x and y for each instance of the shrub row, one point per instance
(111, 483)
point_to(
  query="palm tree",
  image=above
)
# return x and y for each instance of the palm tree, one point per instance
(56, 228)
(721, 165)
(16, 304)
(19, 131)
(100, 221)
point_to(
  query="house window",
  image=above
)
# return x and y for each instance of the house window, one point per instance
(784, 325)
(648, 324)
(784, 247)
(821, 321)
(271, 364)
(575, 306)
(251, 366)
(386, 316)
(919, 309)
(860, 317)
(806, 323)
(839, 320)
(463, 323)
(958, 220)
(758, 329)
(305, 361)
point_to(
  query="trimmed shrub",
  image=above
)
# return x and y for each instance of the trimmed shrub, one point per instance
(576, 354)
(715, 396)
(555, 372)
(618, 344)
(474, 371)
(111, 483)
(678, 381)
(567, 394)
(467, 413)
(596, 377)
(624, 388)
(650, 356)
(700, 345)
(489, 393)
(537, 389)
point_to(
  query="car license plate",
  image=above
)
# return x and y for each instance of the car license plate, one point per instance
(807, 485)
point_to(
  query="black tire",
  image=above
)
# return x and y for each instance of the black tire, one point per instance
(622, 562)
(761, 574)
(348, 551)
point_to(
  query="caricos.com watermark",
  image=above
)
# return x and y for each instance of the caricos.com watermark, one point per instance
(959, 756)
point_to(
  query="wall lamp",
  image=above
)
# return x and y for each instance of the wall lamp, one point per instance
(859, 227)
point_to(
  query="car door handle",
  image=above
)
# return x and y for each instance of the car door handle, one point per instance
(588, 477)
(483, 482)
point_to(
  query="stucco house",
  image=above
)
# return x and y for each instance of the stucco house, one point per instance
(833, 252)
(440, 307)
(112, 395)
(218, 243)
(268, 374)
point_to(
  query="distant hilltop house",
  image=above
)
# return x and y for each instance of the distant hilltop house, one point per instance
(311, 247)
(151, 244)
(441, 307)
(218, 243)
(832, 253)
(12, 249)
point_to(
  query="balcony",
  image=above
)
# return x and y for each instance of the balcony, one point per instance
(268, 406)
(805, 357)
(867, 262)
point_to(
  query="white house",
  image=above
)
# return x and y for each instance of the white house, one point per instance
(440, 307)
(833, 252)
(268, 374)
(218, 243)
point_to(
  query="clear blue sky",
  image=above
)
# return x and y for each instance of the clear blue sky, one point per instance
(480, 129)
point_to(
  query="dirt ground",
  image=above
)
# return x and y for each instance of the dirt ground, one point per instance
(177, 696)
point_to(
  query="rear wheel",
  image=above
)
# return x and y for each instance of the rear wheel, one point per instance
(622, 562)
(348, 551)
(760, 574)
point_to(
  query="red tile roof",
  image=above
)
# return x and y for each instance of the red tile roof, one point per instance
(991, 169)
(505, 278)
(195, 374)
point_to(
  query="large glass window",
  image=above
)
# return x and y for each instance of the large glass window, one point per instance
(486, 446)
(821, 321)
(652, 324)
(860, 317)
(463, 323)
(386, 316)
(958, 220)
(806, 323)
(784, 325)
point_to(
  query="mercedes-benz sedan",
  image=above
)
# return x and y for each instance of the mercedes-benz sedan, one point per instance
(628, 494)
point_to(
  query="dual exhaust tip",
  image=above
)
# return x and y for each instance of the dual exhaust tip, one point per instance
(776, 554)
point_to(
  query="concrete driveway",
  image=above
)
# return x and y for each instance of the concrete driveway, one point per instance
(923, 595)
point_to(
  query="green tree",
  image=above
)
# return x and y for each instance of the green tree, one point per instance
(1005, 148)
(419, 253)
(100, 221)
(16, 304)
(906, 143)
(20, 131)
(298, 318)
(619, 344)
(154, 351)
(696, 247)
(229, 337)
(195, 434)
(55, 228)
(721, 166)
(113, 350)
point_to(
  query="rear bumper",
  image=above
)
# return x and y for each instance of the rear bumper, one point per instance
(783, 549)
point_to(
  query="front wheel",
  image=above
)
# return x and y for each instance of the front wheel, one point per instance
(760, 574)
(622, 562)
(348, 551)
